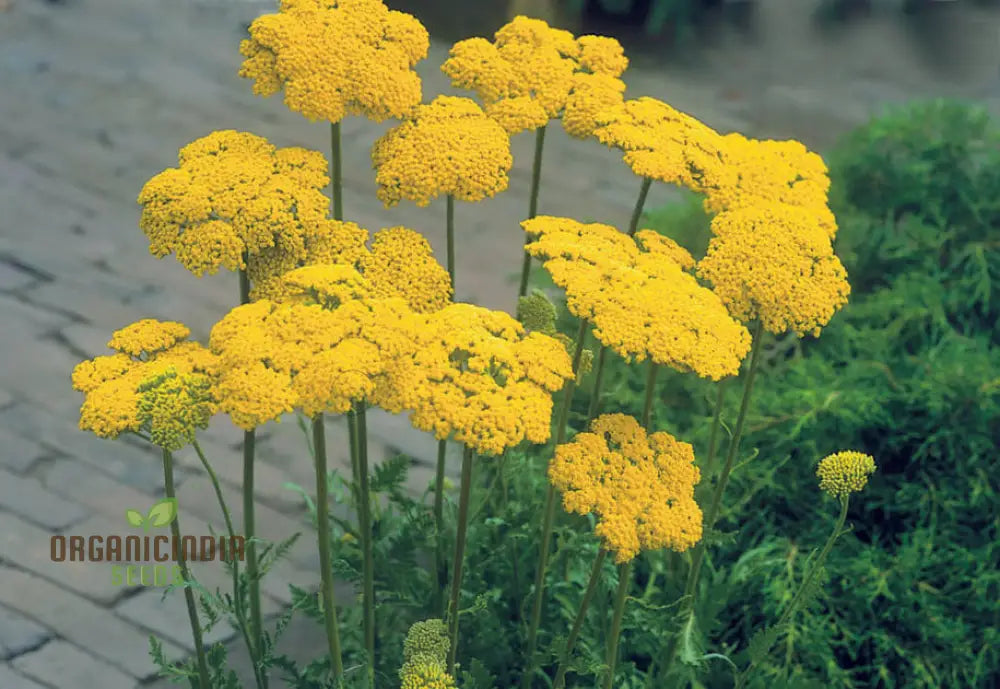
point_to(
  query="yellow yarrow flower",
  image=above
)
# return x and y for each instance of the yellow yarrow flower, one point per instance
(425, 653)
(475, 375)
(843, 473)
(174, 407)
(234, 194)
(527, 75)
(337, 57)
(113, 385)
(401, 264)
(638, 296)
(640, 487)
(662, 143)
(774, 262)
(447, 147)
(771, 172)
(592, 95)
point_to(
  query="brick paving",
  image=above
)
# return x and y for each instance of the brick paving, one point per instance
(87, 116)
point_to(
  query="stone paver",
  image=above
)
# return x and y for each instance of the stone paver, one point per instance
(19, 634)
(11, 679)
(91, 117)
(62, 664)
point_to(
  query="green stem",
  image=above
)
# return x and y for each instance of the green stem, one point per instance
(456, 577)
(336, 177)
(548, 516)
(806, 582)
(713, 512)
(595, 395)
(536, 178)
(175, 529)
(325, 556)
(633, 224)
(240, 612)
(450, 231)
(440, 567)
(250, 533)
(624, 579)
(595, 576)
(713, 439)
(647, 407)
(365, 524)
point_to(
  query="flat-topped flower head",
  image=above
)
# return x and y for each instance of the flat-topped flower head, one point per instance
(113, 384)
(639, 296)
(335, 58)
(174, 406)
(526, 76)
(402, 265)
(772, 172)
(233, 194)
(663, 143)
(843, 473)
(774, 262)
(474, 374)
(640, 487)
(591, 97)
(447, 147)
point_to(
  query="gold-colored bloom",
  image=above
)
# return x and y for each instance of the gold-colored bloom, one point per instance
(591, 97)
(423, 672)
(337, 57)
(174, 407)
(771, 172)
(665, 144)
(113, 385)
(233, 194)
(845, 472)
(474, 374)
(401, 264)
(448, 147)
(526, 76)
(639, 297)
(640, 487)
(425, 652)
(774, 262)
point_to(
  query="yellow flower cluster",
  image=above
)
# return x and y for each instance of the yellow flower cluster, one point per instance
(536, 313)
(401, 264)
(638, 296)
(845, 472)
(337, 57)
(771, 172)
(640, 486)
(320, 353)
(234, 194)
(175, 406)
(664, 144)
(474, 374)
(447, 147)
(531, 73)
(774, 262)
(425, 652)
(115, 386)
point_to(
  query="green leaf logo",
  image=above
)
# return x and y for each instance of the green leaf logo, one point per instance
(160, 515)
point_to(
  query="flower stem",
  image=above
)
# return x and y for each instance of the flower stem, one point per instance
(624, 579)
(336, 178)
(456, 577)
(199, 647)
(713, 440)
(548, 516)
(595, 576)
(647, 407)
(365, 524)
(691, 584)
(806, 582)
(325, 557)
(450, 231)
(440, 567)
(595, 395)
(633, 224)
(249, 532)
(240, 612)
(536, 178)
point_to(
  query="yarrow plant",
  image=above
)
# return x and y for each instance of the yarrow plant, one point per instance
(334, 321)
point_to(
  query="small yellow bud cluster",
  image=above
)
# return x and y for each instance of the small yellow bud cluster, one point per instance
(843, 473)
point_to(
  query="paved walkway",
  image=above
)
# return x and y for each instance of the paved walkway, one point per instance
(96, 96)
